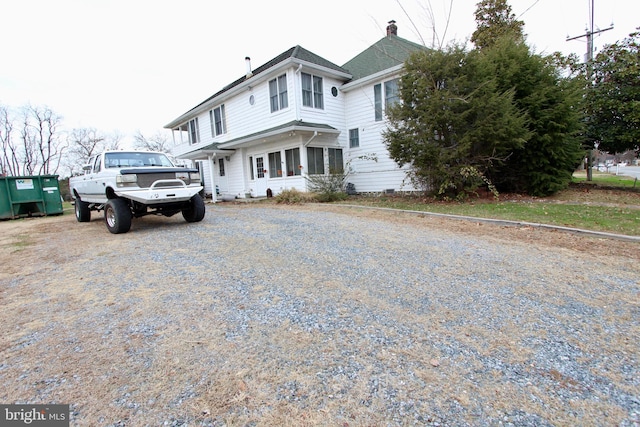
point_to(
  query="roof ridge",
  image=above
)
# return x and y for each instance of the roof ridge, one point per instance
(389, 51)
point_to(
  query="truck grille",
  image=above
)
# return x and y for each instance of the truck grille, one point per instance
(145, 180)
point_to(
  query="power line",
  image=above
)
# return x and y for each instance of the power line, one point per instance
(590, 32)
(529, 8)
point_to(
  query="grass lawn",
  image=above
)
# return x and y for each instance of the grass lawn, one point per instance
(609, 203)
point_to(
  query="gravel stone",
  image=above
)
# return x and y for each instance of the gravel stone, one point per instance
(328, 315)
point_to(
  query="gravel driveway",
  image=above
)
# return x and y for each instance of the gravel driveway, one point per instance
(314, 315)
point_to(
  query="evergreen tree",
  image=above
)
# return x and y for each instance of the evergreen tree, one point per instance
(494, 21)
(498, 115)
(453, 123)
(545, 163)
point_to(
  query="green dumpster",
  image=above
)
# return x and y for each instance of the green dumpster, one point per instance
(35, 195)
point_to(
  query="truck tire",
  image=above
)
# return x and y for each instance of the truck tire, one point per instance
(117, 216)
(195, 211)
(83, 213)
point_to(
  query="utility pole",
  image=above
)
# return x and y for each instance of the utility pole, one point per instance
(589, 33)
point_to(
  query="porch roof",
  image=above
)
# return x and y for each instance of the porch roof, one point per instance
(263, 135)
(228, 147)
(204, 152)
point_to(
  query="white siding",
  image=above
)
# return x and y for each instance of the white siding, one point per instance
(368, 175)
(246, 119)
(205, 170)
(278, 183)
(351, 109)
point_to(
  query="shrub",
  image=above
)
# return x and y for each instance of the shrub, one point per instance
(331, 196)
(329, 187)
(293, 196)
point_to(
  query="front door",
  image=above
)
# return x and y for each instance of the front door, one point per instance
(260, 177)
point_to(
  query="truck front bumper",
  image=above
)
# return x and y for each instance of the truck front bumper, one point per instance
(159, 194)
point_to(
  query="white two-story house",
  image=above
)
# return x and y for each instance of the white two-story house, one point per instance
(298, 115)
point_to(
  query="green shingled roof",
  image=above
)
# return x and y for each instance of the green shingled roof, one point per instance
(384, 54)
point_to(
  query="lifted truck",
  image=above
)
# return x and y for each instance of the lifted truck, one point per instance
(127, 184)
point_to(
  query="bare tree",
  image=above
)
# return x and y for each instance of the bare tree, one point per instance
(9, 163)
(84, 143)
(41, 149)
(112, 141)
(157, 142)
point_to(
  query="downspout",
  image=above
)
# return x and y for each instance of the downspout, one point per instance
(212, 167)
(315, 133)
(298, 89)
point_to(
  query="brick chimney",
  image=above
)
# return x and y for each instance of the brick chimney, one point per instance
(392, 28)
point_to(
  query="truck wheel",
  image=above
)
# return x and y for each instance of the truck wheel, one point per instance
(117, 216)
(83, 213)
(195, 211)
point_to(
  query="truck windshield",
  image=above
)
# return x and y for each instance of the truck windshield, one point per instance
(134, 159)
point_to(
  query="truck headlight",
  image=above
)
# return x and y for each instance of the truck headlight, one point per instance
(184, 176)
(128, 180)
(194, 177)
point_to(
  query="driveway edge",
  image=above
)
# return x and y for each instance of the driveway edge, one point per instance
(508, 223)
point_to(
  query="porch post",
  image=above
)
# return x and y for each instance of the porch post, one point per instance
(212, 168)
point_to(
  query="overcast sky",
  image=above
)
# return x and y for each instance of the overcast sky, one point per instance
(130, 65)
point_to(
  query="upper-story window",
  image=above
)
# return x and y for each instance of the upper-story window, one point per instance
(194, 131)
(312, 95)
(390, 93)
(377, 101)
(218, 121)
(390, 97)
(278, 93)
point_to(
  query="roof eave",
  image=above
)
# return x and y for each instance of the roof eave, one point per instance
(260, 136)
(248, 84)
(203, 153)
(372, 77)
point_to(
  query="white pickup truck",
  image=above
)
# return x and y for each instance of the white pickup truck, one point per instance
(127, 184)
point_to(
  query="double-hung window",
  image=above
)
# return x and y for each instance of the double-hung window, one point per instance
(312, 95)
(315, 161)
(292, 159)
(194, 132)
(354, 138)
(278, 93)
(275, 165)
(377, 101)
(335, 160)
(390, 93)
(390, 97)
(218, 121)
